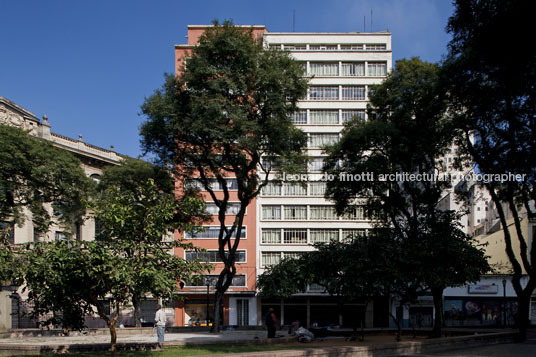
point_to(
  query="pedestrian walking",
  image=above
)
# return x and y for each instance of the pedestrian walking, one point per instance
(271, 322)
(160, 322)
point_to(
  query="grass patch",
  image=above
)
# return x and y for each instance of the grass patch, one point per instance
(179, 351)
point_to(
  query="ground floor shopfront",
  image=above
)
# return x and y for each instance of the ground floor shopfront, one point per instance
(198, 310)
(312, 311)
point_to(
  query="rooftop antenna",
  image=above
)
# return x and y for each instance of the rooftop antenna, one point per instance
(364, 22)
(371, 20)
(294, 20)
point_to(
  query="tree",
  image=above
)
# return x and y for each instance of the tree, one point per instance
(407, 134)
(493, 101)
(137, 212)
(35, 174)
(71, 279)
(228, 117)
(284, 279)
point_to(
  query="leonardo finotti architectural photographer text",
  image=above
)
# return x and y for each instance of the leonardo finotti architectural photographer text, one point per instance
(405, 176)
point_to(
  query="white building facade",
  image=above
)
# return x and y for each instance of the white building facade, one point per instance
(291, 216)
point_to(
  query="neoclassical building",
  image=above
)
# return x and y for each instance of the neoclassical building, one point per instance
(92, 158)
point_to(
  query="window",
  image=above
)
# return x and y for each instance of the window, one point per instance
(324, 117)
(349, 234)
(323, 235)
(295, 189)
(352, 47)
(299, 117)
(11, 227)
(271, 212)
(275, 46)
(376, 47)
(323, 213)
(320, 140)
(324, 69)
(316, 164)
(238, 280)
(317, 188)
(295, 212)
(270, 258)
(211, 232)
(353, 69)
(95, 177)
(98, 228)
(271, 236)
(232, 184)
(291, 255)
(353, 93)
(377, 69)
(295, 236)
(323, 47)
(59, 235)
(297, 47)
(324, 93)
(232, 208)
(272, 189)
(347, 115)
(269, 164)
(354, 213)
(212, 256)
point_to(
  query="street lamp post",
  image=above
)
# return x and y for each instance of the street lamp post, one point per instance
(208, 297)
(504, 302)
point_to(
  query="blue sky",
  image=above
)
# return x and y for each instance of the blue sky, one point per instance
(88, 65)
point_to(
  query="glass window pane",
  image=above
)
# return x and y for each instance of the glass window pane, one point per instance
(271, 212)
(295, 212)
(323, 235)
(319, 140)
(271, 236)
(324, 117)
(295, 189)
(347, 115)
(353, 93)
(317, 188)
(353, 69)
(323, 213)
(324, 69)
(295, 236)
(299, 117)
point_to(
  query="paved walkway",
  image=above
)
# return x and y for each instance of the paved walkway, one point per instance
(200, 337)
(525, 349)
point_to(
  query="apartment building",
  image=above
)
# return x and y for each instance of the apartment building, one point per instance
(286, 219)
(291, 216)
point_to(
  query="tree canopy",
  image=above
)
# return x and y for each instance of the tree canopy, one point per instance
(408, 133)
(138, 217)
(493, 102)
(35, 173)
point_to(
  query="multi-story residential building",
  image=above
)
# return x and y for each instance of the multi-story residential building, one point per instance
(286, 219)
(291, 217)
(240, 306)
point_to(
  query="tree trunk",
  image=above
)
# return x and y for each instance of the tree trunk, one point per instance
(113, 339)
(218, 307)
(136, 302)
(522, 318)
(437, 294)
(363, 319)
(399, 320)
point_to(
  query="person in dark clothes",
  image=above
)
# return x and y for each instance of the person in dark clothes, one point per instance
(271, 322)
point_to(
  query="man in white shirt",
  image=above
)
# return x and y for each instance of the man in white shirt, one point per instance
(160, 322)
